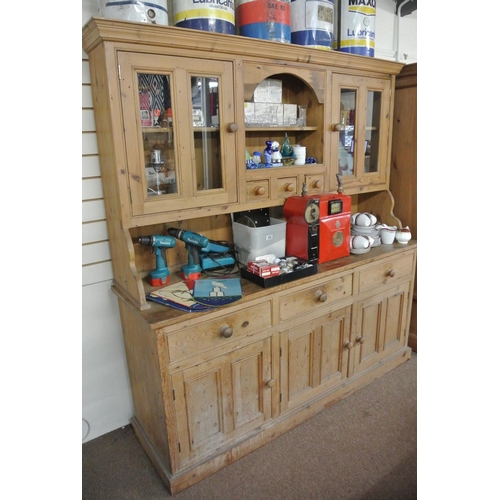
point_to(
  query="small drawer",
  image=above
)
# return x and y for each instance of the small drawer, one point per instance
(257, 190)
(287, 186)
(315, 183)
(388, 272)
(319, 295)
(207, 335)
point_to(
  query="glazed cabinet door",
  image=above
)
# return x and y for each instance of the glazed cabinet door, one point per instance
(221, 399)
(380, 330)
(314, 357)
(180, 140)
(360, 148)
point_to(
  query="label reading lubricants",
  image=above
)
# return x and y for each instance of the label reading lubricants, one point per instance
(357, 22)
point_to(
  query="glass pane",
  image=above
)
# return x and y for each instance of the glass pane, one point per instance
(157, 134)
(207, 142)
(372, 139)
(346, 136)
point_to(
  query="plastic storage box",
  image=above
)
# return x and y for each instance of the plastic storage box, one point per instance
(252, 242)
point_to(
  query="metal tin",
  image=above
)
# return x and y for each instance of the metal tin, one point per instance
(357, 27)
(264, 20)
(153, 12)
(312, 23)
(216, 16)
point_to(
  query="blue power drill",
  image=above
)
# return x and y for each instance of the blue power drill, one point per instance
(196, 243)
(161, 275)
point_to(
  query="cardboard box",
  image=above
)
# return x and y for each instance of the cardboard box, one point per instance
(289, 115)
(267, 114)
(249, 113)
(269, 91)
(263, 269)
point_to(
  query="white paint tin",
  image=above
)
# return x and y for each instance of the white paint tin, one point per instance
(357, 27)
(153, 12)
(312, 23)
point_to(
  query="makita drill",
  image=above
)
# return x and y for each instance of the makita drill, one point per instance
(161, 275)
(199, 249)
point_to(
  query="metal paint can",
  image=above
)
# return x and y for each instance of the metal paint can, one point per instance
(312, 23)
(153, 12)
(264, 19)
(357, 27)
(216, 16)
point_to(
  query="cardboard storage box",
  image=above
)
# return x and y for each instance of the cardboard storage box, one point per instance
(253, 242)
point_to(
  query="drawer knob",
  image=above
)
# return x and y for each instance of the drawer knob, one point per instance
(226, 331)
(289, 187)
(338, 127)
(270, 382)
(320, 296)
(232, 127)
(360, 339)
(349, 345)
(391, 273)
(317, 184)
(260, 190)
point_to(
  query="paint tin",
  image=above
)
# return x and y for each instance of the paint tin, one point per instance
(312, 23)
(264, 19)
(153, 12)
(357, 27)
(216, 16)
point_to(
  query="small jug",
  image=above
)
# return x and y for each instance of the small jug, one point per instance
(387, 234)
(403, 236)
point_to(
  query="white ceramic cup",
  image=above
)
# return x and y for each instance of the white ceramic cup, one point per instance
(300, 154)
(387, 235)
(363, 219)
(359, 241)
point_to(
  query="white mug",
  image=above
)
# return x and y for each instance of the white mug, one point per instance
(387, 235)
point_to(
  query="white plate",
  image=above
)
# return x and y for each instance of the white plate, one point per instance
(359, 251)
(367, 232)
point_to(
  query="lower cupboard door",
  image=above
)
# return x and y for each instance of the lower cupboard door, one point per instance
(219, 400)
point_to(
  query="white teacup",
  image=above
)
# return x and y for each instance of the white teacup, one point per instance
(387, 234)
(359, 241)
(362, 219)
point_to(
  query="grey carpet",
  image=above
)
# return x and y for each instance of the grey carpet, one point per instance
(361, 448)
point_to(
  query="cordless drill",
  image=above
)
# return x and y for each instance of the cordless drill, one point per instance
(193, 241)
(161, 275)
(203, 254)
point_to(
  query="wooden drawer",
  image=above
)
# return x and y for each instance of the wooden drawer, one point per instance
(207, 335)
(257, 190)
(315, 183)
(287, 186)
(319, 295)
(386, 273)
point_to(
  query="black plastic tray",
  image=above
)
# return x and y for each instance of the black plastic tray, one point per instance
(278, 280)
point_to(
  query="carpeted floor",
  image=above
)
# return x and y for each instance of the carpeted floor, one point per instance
(361, 448)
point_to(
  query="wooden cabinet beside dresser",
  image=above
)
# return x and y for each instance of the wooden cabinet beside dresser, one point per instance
(403, 183)
(210, 387)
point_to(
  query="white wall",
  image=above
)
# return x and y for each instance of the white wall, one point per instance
(106, 397)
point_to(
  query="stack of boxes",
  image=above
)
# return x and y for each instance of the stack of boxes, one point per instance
(267, 108)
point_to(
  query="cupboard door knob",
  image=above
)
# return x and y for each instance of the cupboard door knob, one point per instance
(232, 127)
(260, 190)
(270, 382)
(317, 184)
(349, 345)
(289, 187)
(320, 296)
(360, 339)
(391, 273)
(338, 127)
(226, 331)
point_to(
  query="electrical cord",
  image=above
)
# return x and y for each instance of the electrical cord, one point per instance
(88, 430)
